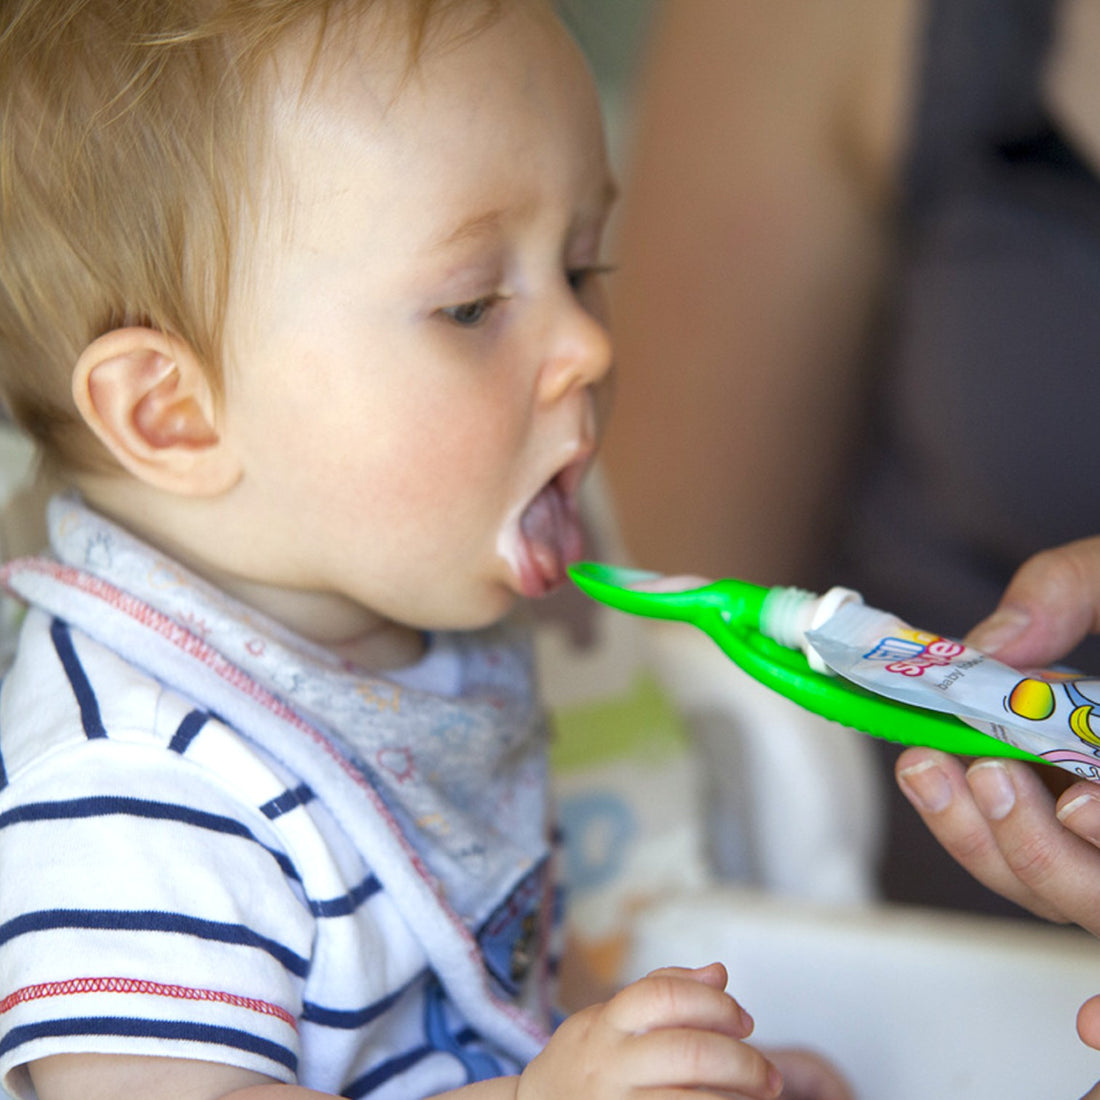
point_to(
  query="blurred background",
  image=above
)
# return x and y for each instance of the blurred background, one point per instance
(612, 33)
(858, 248)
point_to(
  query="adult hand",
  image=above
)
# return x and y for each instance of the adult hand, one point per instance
(997, 817)
(1001, 822)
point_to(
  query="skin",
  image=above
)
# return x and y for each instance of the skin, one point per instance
(998, 818)
(754, 237)
(673, 1035)
(420, 317)
(423, 319)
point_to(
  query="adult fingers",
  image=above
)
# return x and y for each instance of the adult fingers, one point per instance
(936, 784)
(1051, 603)
(1078, 810)
(1054, 864)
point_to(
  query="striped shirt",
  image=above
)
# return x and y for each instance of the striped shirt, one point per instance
(171, 885)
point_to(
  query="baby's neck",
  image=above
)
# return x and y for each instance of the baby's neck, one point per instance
(182, 527)
(352, 633)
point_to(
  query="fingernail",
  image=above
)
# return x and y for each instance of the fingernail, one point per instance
(1073, 806)
(1085, 810)
(926, 785)
(993, 789)
(1005, 625)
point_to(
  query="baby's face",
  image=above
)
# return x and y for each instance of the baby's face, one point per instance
(415, 371)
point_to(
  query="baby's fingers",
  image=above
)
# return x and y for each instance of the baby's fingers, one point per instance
(678, 998)
(684, 1058)
(713, 974)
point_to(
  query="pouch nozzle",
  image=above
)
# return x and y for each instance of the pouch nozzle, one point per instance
(787, 614)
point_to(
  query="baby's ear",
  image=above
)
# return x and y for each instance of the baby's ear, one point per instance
(150, 403)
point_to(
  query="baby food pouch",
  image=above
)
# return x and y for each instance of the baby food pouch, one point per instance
(1050, 713)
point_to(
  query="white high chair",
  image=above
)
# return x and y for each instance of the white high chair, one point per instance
(910, 1004)
(755, 843)
(776, 797)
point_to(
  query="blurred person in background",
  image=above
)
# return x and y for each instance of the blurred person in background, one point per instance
(860, 255)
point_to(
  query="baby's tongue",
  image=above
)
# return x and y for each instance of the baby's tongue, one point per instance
(551, 534)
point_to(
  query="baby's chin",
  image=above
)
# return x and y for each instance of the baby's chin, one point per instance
(488, 603)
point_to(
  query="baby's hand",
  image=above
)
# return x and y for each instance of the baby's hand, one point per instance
(672, 1032)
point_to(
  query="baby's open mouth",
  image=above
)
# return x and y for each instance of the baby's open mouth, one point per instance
(550, 535)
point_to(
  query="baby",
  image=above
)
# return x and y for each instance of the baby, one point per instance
(301, 301)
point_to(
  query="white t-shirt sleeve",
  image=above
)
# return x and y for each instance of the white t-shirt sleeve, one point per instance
(144, 910)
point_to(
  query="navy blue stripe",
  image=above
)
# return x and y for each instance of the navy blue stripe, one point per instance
(394, 1066)
(153, 921)
(559, 902)
(341, 907)
(349, 1020)
(102, 805)
(188, 730)
(387, 1070)
(159, 1029)
(287, 801)
(82, 689)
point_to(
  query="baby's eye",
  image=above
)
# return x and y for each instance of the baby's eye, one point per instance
(471, 314)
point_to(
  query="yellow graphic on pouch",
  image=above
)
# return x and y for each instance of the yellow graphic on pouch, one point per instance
(1080, 724)
(1032, 699)
(1036, 701)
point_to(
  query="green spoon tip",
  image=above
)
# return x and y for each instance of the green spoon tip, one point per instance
(616, 575)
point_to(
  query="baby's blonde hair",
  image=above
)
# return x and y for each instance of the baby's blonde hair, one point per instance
(128, 142)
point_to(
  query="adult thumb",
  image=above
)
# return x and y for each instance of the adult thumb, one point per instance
(1051, 603)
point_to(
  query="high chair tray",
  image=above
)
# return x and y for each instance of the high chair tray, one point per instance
(910, 1003)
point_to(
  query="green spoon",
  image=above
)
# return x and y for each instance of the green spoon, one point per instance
(746, 620)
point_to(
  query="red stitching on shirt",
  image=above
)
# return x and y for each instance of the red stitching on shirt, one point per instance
(180, 637)
(139, 985)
